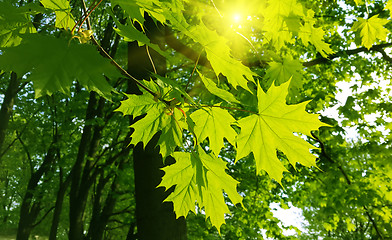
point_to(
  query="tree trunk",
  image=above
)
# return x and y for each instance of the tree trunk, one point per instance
(155, 219)
(6, 107)
(58, 207)
(31, 203)
(77, 201)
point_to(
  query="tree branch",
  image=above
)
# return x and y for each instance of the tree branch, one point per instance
(342, 53)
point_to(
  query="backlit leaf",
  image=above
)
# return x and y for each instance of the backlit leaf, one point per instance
(272, 129)
(309, 34)
(218, 53)
(370, 30)
(200, 178)
(62, 9)
(214, 123)
(212, 88)
(159, 118)
(281, 72)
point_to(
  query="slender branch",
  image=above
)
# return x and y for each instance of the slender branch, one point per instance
(86, 18)
(323, 151)
(346, 53)
(193, 71)
(122, 70)
(105, 54)
(385, 55)
(152, 62)
(27, 152)
(373, 223)
(230, 108)
(43, 217)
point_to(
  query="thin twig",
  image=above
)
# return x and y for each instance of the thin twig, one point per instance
(193, 71)
(152, 62)
(230, 108)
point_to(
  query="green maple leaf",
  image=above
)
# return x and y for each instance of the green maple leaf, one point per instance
(214, 123)
(62, 9)
(130, 33)
(281, 72)
(272, 128)
(60, 63)
(14, 22)
(309, 34)
(159, 118)
(388, 6)
(218, 53)
(137, 105)
(136, 9)
(370, 30)
(212, 88)
(200, 178)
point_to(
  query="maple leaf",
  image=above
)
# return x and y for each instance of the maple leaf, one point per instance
(159, 118)
(136, 9)
(272, 129)
(309, 34)
(281, 72)
(213, 123)
(370, 30)
(388, 6)
(200, 178)
(59, 65)
(218, 53)
(62, 9)
(212, 88)
(14, 22)
(137, 105)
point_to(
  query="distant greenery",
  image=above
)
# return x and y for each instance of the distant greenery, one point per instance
(177, 119)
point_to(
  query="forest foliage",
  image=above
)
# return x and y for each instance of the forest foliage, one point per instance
(233, 105)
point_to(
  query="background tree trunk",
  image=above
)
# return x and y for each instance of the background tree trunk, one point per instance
(155, 219)
(6, 106)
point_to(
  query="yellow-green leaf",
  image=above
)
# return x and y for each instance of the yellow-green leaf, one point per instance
(388, 6)
(212, 88)
(309, 34)
(272, 128)
(62, 9)
(214, 123)
(370, 30)
(281, 72)
(168, 121)
(200, 178)
(218, 53)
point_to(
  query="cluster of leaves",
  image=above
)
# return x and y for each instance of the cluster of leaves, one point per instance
(200, 174)
(249, 113)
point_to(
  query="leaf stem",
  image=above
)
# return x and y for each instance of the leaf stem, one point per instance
(88, 14)
(193, 71)
(230, 108)
(105, 54)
